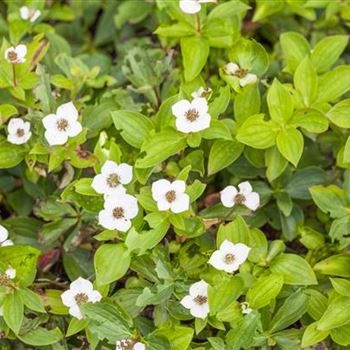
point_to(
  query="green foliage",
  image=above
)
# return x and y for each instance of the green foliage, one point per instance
(245, 104)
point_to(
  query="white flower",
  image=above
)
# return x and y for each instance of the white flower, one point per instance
(16, 54)
(62, 125)
(80, 292)
(117, 212)
(191, 116)
(197, 300)
(230, 256)
(171, 195)
(246, 310)
(230, 196)
(112, 178)
(29, 14)
(7, 276)
(129, 344)
(4, 241)
(245, 78)
(193, 6)
(18, 131)
(202, 92)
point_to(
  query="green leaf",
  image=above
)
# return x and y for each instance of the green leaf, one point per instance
(141, 242)
(257, 133)
(41, 337)
(294, 269)
(134, 126)
(336, 265)
(295, 47)
(177, 30)
(334, 84)
(191, 47)
(306, 81)
(330, 199)
(10, 155)
(237, 231)
(341, 285)
(327, 51)
(312, 335)
(23, 259)
(290, 143)
(241, 336)
(179, 337)
(317, 303)
(275, 163)
(264, 290)
(247, 103)
(336, 315)
(108, 321)
(290, 312)
(310, 119)
(217, 130)
(228, 9)
(111, 263)
(280, 103)
(222, 154)
(339, 114)
(299, 185)
(13, 309)
(160, 147)
(31, 300)
(75, 326)
(223, 293)
(341, 335)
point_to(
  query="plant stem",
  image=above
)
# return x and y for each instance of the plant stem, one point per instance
(14, 75)
(198, 23)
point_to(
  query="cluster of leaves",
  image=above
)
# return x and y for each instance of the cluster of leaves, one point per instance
(124, 64)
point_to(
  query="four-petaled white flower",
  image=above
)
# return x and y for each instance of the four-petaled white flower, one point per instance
(246, 310)
(16, 54)
(18, 131)
(230, 196)
(197, 300)
(112, 178)
(202, 92)
(245, 78)
(4, 235)
(118, 212)
(80, 292)
(193, 6)
(62, 125)
(191, 116)
(129, 344)
(171, 195)
(230, 256)
(29, 14)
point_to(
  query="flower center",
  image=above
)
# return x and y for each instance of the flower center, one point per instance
(81, 298)
(240, 73)
(118, 212)
(62, 124)
(170, 196)
(127, 344)
(200, 299)
(20, 132)
(192, 115)
(239, 198)
(4, 280)
(12, 56)
(113, 180)
(229, 258)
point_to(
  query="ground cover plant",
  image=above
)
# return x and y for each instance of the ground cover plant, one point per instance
(174, 175)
